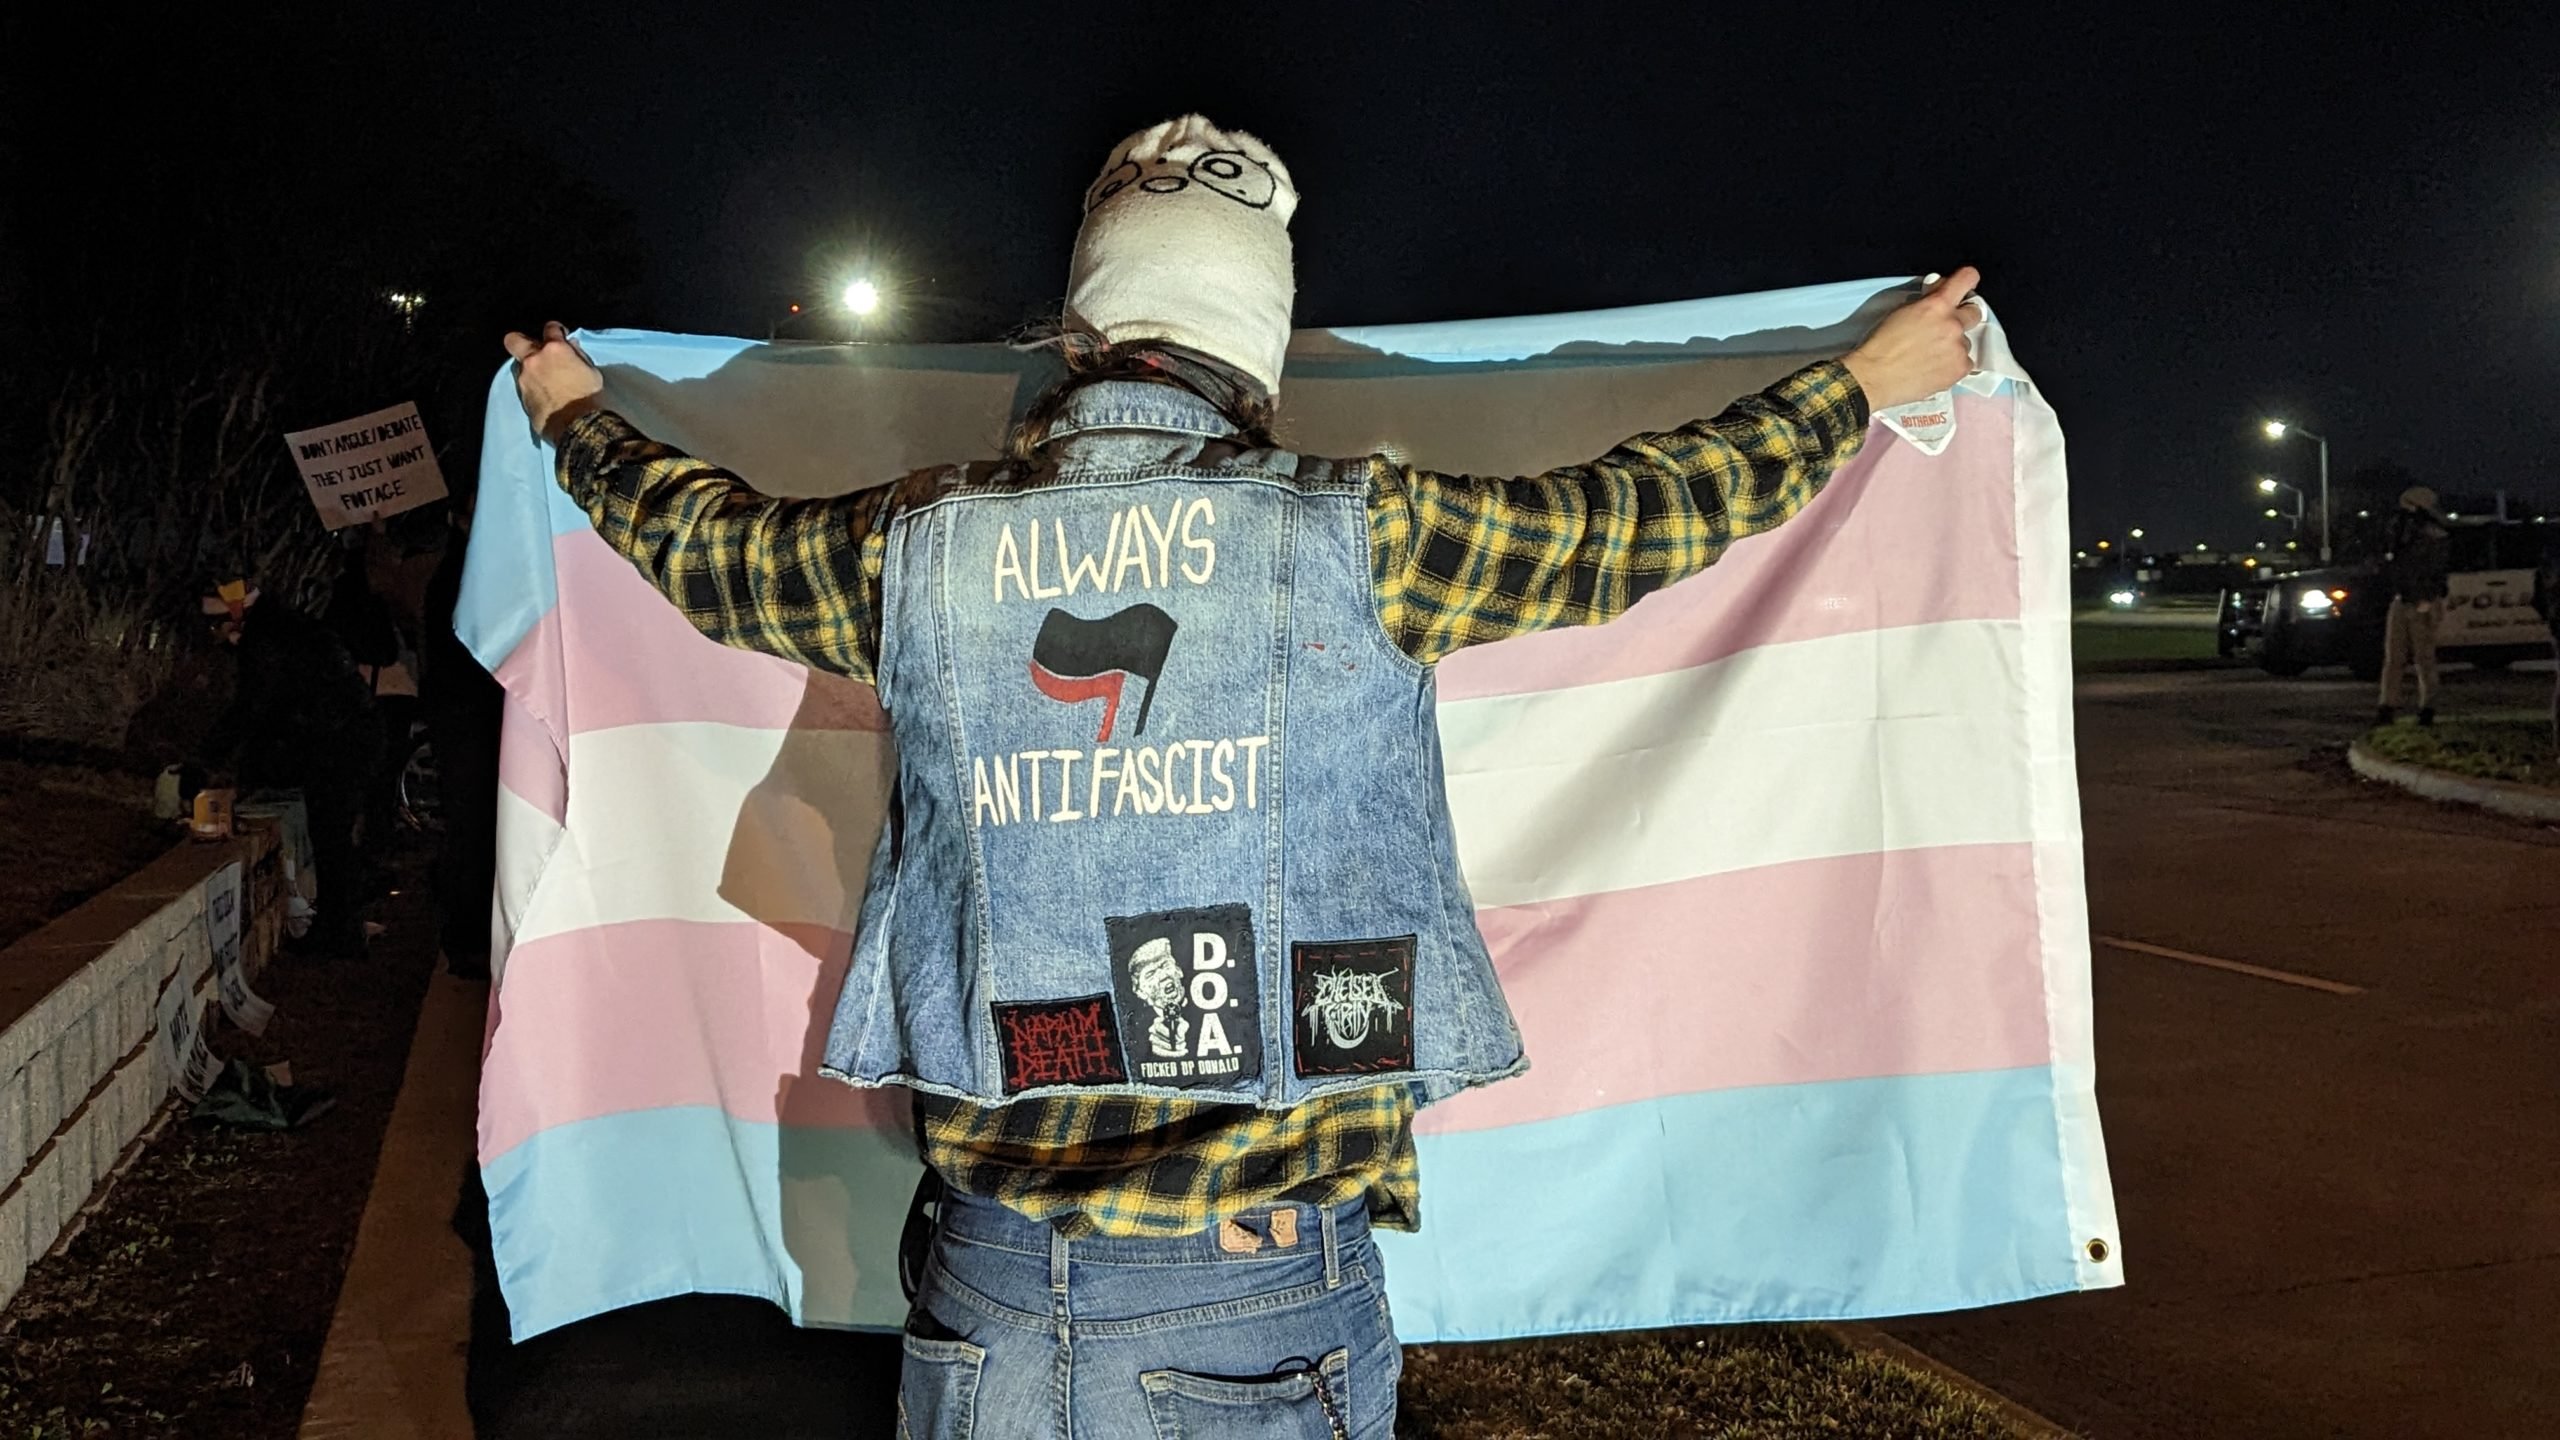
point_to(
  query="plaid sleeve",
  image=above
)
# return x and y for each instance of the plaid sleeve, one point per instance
(1461, 561)
(794, 578)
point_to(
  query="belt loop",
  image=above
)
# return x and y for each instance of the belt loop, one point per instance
(1057, 1258)
(1332, 1248)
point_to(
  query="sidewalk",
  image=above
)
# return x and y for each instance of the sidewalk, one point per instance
(400, 1340)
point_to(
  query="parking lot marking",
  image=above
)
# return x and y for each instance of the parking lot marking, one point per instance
(2281, 977)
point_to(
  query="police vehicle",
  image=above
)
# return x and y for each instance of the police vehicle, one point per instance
(2334, 615)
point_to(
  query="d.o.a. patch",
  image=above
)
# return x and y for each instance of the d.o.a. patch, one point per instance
(1190, 1005)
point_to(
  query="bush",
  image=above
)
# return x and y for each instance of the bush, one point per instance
(74, 665)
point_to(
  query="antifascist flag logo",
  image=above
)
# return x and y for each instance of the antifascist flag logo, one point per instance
(1076, 660)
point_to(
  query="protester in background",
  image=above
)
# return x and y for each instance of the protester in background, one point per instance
(463, 708)
(364, 620)
(1224, 1230)
(2416, 565)
(301, 717)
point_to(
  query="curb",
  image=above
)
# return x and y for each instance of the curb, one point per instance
(1868, 1340)
(2524, 802)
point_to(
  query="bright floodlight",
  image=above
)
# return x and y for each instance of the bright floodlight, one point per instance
(2275, 429)
(2271, 514)
(2135, 532)
(2266, 487)
(862, 297)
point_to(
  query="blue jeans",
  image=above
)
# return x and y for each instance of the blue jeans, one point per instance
(1270, 1325)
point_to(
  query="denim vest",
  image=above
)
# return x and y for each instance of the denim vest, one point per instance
(1170, 817)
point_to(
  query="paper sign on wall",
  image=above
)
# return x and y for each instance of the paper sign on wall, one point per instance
(371, 466)
(230, 976)
(192, 1067)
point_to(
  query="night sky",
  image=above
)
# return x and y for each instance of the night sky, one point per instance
(2185, 223)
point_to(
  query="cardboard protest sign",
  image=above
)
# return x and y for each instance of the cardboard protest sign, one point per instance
(374, 465)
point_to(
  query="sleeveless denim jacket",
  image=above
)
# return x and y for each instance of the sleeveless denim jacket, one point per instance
(1169, 817)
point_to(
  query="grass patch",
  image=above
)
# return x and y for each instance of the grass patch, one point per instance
(2105, 644)
(1717, 1383)
(2513, 750)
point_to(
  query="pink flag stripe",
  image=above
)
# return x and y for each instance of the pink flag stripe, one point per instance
(656, 1013)
(529, 764)
(1908, 959)
(1909, 956)
(1853, 563)
(638, 641)
(1897, 538)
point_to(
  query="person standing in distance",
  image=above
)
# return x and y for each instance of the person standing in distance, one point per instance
(2417, 565)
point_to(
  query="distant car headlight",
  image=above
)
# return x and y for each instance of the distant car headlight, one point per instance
(2120, 597)
(2316, 602)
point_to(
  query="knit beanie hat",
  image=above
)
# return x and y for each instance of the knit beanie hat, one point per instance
(1186, 239)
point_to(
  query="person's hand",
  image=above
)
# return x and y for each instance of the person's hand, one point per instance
(1920, 349)
(554, 378)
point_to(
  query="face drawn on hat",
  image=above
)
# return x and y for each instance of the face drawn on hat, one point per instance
(1231, 173)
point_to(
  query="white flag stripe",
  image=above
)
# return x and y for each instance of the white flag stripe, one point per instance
(527, 838)
(1774, 755)
(787, 820)
(1880, 740)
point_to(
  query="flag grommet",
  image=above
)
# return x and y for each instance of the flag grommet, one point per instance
(2098, 1252)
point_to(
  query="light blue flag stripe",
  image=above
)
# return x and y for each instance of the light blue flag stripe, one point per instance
(1952, 1198)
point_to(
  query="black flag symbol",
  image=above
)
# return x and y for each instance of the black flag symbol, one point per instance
(1074, 660)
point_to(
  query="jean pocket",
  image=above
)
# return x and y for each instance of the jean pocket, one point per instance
(1312, 1404)
(938, 1389)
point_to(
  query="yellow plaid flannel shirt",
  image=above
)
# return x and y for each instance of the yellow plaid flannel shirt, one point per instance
(1456, 561)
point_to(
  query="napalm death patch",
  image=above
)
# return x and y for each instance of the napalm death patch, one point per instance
(1190, 1002)
(1059, 1042)
(1352, 1004)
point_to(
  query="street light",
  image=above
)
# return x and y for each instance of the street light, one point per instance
(2269, 485)
(2277, 430)
(862, 297)
(2135, 532)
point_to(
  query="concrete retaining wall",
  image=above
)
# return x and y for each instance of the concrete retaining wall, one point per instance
(80, 1076)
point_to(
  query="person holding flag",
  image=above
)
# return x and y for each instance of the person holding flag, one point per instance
(1169, 978)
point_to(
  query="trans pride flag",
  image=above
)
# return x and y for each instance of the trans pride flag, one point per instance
(1781, 871)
